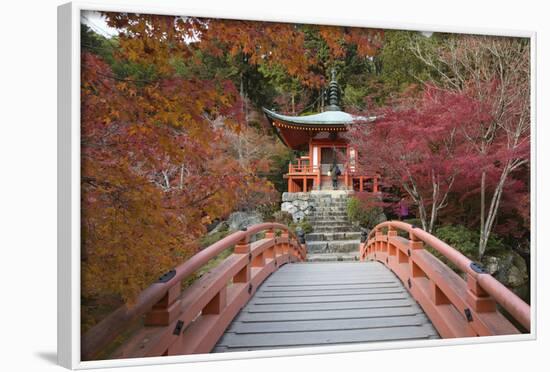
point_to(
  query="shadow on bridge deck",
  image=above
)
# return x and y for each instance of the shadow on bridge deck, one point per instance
(319, 304)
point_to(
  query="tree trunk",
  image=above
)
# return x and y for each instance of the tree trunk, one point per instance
(482, 245)
(489, 222)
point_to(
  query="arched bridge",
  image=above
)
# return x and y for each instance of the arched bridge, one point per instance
(265, 296)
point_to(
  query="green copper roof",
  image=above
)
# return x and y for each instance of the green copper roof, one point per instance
(323, 118)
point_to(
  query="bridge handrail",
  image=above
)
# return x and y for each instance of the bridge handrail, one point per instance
(514, 305)
(109, 328)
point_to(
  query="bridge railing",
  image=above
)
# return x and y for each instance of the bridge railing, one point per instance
(456, 306)
(191, 321)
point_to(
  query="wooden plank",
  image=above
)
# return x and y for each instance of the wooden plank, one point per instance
(331, 292)
(325, 281)
(294, 285)
(397, 295)
(327, 303)
(328, 314)
(327, 337)
(323, 325)
(305, 290)
(317, 306)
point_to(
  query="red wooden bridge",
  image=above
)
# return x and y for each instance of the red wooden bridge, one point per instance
(265, 296)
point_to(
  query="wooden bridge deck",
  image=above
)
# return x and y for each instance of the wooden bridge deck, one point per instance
(314, 304)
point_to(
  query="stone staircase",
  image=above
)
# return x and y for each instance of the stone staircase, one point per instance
(333, 237)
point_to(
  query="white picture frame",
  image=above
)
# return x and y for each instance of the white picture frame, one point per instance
(69, 186)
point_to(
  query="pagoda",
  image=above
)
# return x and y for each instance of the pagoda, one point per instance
(321, 136)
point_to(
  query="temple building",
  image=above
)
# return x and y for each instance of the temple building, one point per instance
(321, 136)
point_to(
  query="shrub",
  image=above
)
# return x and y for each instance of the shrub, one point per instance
(302, 224)
(466, 240)
(284, 218)
(268, 211)
(365, 213)
(212, 238)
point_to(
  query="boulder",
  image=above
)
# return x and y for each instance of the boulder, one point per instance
(219, 227)
(300, 204)
(298, 216)
(239, 220)
(508, 267)
(286, 206)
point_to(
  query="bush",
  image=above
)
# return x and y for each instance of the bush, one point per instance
(268, 211)
(209, 239)
(363, 213)
(466, 240)
(302, 224)
(281, 217)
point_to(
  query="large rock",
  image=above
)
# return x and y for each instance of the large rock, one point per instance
(301, 204)
(298, 216)
(239, 220)
(287, 206)
(219, 227)
(508, 267)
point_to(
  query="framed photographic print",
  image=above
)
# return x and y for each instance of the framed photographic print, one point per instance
(242, 188)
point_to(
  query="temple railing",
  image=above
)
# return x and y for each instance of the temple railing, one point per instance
(296, 168)
(192, 321)
(457, 307)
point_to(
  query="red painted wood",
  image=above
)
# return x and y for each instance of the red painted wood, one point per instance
(443, 294)
(210, 296)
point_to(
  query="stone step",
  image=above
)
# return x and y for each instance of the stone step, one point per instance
(331, 257)
(333, 236)
(334, 229)
(333, 246)
(327, 217)
(330, 224)
(328, 220)
(329, 212)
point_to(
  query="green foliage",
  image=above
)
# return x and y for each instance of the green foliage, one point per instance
(281, 217)
(279, 166)
(396, 68)
(466, 240)
(303, 224)
(98, 44)
(212, 238)
(361, 214)
(355, 96)
(400, 67)
(140, 73)
(268, 210)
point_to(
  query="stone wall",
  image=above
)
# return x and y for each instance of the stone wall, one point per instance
(298, 204)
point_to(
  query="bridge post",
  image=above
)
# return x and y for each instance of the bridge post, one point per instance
(243, 247)
(167, 309)
(377, 243)
(477, 298)
(270, 252)
(285, 245)
(392, 232)
(416, 271)
(414, 242)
